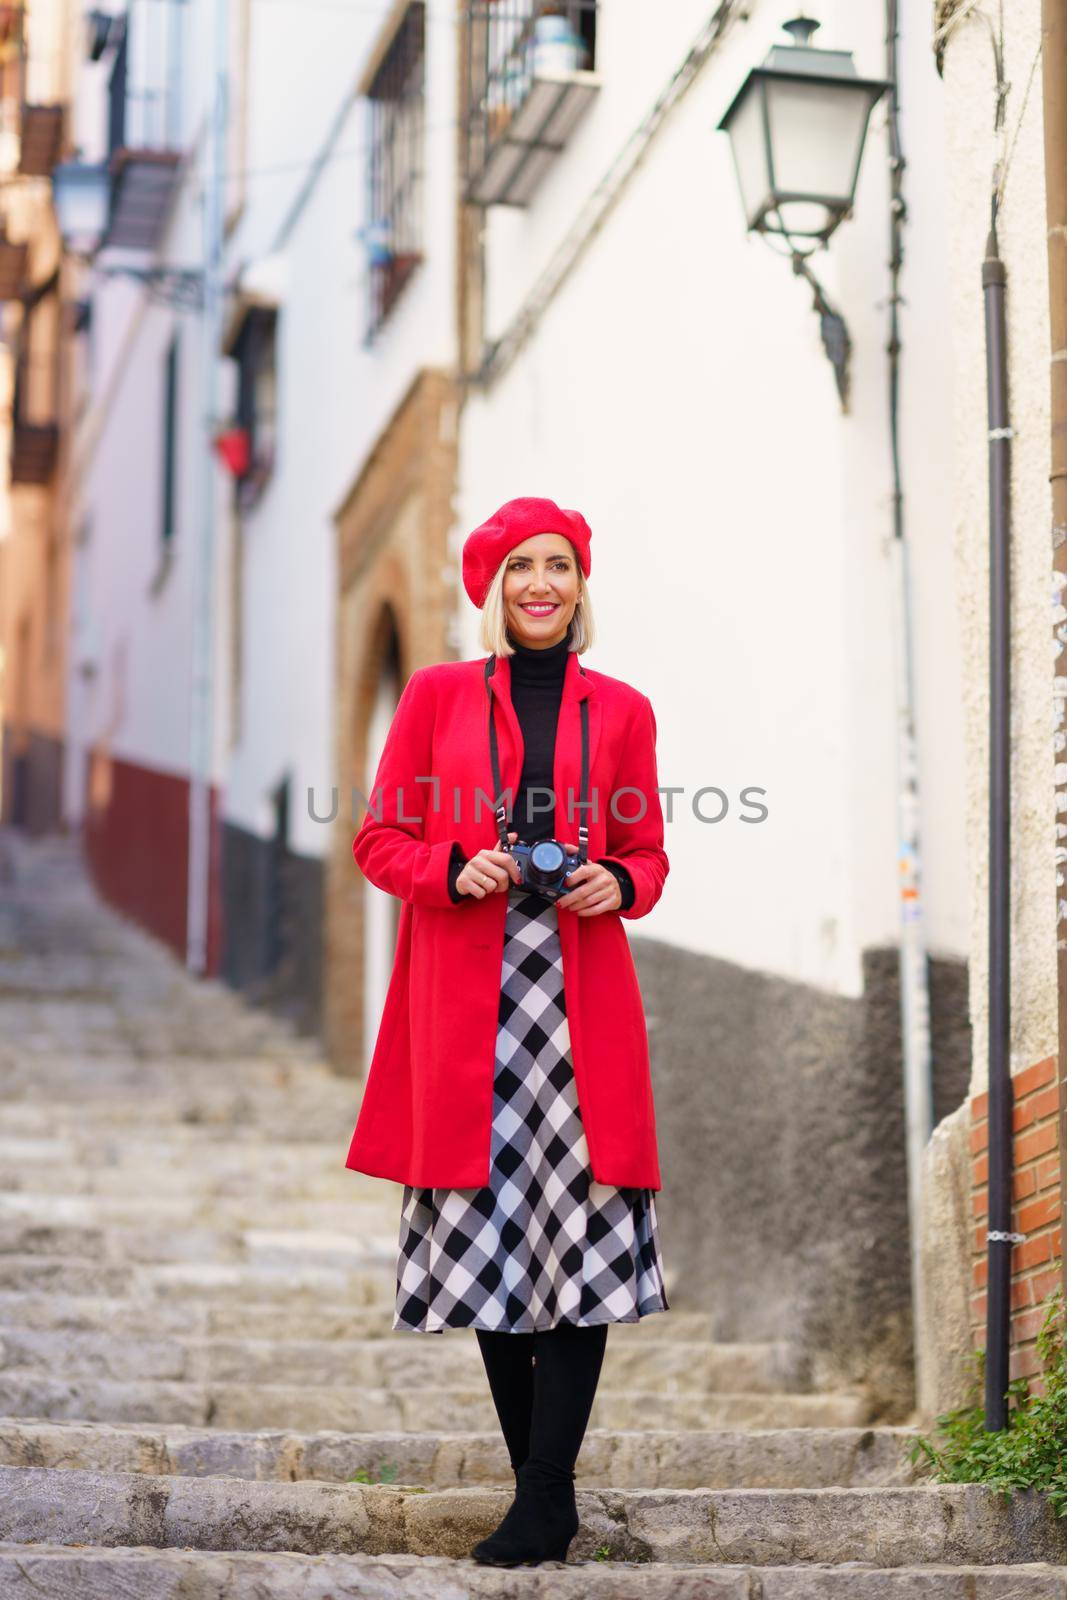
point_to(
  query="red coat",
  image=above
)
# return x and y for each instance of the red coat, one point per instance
(426, 1112)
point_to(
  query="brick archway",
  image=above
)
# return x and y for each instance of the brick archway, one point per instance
(393, 529)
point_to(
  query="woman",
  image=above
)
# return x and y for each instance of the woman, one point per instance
(509, 1088)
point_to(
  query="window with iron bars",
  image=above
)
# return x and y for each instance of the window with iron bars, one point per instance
(145, 86)
(257, 399)
(393, 231)
(529, 76)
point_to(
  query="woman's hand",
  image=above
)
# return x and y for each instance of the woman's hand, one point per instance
(488, 872)
(593, 889)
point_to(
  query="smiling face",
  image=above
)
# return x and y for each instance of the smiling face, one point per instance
(540, 589)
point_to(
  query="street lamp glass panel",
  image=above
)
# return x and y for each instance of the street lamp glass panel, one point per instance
(81, 195)
(797, 126)
(749, 145)
(817, 138)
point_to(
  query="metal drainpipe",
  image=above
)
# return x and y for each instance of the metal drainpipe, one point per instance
(914, 964)
(999, 1234)
(202, 706)
(1054, 78)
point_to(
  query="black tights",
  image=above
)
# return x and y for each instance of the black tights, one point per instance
(543, 1385)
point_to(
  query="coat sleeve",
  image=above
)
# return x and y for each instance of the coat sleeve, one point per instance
(623, 879)
(638, 844)
(389, 848)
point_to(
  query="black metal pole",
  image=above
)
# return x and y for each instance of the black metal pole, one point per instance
(999, 1234)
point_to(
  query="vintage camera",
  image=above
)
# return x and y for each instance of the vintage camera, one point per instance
(545, 866)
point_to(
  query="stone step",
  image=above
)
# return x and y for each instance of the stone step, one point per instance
(307, 1408)
(42, 1025)
(945, 1524)
(229, 1117)
(51, 1572)
(179, 1210)
(65, 1079)
(306, 1318)
(407, 1361)
(231, 1283)
(296, 1182)
(204, 1244)
(775, 1458)
(213, 1099)
(159, 1148)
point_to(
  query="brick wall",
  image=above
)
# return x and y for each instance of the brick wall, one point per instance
(1036, 1193)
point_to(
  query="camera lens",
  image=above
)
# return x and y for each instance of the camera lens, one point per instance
(545, 863)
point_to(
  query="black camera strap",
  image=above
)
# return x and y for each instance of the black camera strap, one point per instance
(503, 815)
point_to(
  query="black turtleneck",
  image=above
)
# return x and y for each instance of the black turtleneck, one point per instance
(537, 676)
(536, 691)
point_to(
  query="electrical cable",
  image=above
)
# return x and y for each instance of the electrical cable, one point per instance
(972, 8)
(1018, 125)
(497, 354)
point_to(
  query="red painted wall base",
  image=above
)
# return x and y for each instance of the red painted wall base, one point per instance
(136, 841)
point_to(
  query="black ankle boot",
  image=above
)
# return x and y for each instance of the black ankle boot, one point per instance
(540, 1523)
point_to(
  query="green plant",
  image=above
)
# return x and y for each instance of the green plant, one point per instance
(602, 1553)
(1031, 1451)
(386, 1474)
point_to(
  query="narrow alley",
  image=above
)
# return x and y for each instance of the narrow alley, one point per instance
(202, 1395)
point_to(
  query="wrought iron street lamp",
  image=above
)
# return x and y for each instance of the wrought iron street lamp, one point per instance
(80, 194)
(797, 128)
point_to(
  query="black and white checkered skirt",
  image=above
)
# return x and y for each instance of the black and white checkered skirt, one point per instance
(542, 1242)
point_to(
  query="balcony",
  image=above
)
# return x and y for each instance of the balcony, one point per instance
(34, 401)
(34, 423)
(144, 130)
(31, 120)
(41, 141)
(13, 258)
(530, 81)
(27, 88)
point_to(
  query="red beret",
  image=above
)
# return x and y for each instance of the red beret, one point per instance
(486, 547)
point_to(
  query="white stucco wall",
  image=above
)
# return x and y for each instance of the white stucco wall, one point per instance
(676, 391)
(973, 147)
(334, 394)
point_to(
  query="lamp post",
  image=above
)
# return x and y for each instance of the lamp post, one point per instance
(797, 128)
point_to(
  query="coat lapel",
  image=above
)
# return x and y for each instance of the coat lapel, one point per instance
(567, 762)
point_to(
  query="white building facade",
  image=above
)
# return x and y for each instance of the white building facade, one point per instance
(654, 365)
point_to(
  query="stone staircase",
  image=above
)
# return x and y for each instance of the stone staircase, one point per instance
(201, 1397)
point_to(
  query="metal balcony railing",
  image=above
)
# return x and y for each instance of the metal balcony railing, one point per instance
(14, 255)
(144, 110)
(530, 78)
(34, 416)
(31, 114)
(145, 113)
(396, 100)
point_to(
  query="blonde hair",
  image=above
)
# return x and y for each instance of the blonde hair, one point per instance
(493, 629)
